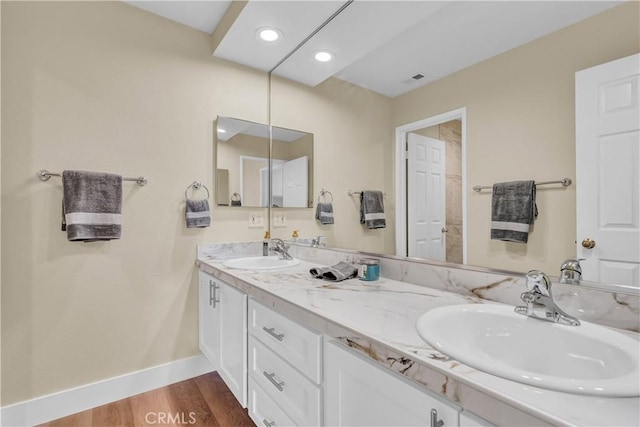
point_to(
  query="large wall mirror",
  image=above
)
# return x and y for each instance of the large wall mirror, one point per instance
(243, 175)
(505, 64)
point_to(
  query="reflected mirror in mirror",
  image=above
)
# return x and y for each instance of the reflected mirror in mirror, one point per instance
(242, 165)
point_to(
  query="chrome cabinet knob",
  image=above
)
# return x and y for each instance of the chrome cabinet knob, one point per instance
(588, 243)
(444, 229)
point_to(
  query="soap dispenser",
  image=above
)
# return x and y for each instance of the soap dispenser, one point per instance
(265, 243)
(295, 236)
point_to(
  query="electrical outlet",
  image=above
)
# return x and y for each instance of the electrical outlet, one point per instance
(256, 220)
(279, 220)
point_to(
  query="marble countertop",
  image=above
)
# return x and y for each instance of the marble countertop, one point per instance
(378, 319)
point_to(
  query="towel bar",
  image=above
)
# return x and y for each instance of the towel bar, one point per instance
(45, 175)
(564, 181)
(353, 193)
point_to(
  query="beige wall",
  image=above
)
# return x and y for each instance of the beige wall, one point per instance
(520, 125)
(352, 132)
(105, 86)
(108, 87)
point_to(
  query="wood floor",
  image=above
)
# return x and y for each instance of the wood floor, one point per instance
(200, 401)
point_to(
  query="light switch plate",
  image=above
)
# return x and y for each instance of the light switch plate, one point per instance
(279, 219)
(256, 220)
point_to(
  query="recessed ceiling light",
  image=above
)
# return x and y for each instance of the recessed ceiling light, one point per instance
(323, 56)
(268, 34)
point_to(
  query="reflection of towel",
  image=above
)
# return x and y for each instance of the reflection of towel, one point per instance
(324, 213)
(92, 205)
(372, 209)
(197, 213)
(335, 273)
(513, 210)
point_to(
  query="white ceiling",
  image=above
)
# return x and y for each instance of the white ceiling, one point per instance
(378, 45)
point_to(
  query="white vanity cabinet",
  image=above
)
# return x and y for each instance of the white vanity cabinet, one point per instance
(360, 393)
(469, 419)
(285, 375)
(222, 319)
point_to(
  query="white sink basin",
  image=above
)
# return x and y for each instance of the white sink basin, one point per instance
(585, 359)
(260, 263)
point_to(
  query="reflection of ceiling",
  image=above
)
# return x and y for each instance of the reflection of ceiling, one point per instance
(380, 45)
(233, 127)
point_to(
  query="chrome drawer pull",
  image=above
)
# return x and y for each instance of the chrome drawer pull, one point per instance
(212, 293)
(267, 423)
(271, 331)
(274, 382)
(435, 422)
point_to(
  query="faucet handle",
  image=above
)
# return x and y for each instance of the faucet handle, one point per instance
(538, 282)
(571, 271)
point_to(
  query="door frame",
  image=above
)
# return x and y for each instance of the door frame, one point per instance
(401, 175)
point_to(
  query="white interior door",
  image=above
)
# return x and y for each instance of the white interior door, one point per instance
(426, 207)
(607, 164)
(295, 178)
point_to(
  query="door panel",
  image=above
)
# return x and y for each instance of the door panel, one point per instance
(426, 207)
(607, 164)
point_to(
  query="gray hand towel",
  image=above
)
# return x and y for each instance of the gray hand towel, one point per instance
(324, 213)
(513, 210)
(335, 273)
(197, 213)
(91, 205)
(372, 209)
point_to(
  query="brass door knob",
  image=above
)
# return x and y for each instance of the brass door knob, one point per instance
(588, 243)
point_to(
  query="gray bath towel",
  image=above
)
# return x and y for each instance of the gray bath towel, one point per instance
(91, 205)
(513, 210)
(197, 213)
(335, 273)
(372, 209)
(324, 213)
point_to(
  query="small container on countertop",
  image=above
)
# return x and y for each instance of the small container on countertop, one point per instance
(368, 269)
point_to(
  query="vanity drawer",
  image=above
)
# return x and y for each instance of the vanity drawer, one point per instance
(263, 410)
(299, 346)
(298, 397)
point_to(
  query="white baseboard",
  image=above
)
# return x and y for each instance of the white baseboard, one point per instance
(67, 402)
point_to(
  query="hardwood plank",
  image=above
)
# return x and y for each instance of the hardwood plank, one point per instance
(201, 401)
(116, 414)
(148, 407)
(190, 404)
(222, 402)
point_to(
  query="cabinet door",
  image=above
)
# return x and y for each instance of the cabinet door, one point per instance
(233, 336)
(359, 393)
(208, 318)
(468, 419)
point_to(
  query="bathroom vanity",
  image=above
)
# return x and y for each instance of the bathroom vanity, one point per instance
(313, 352)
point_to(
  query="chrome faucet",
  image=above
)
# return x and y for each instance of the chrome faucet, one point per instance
(539, 300)
(571, 271)
(281, 249)
(316, 242)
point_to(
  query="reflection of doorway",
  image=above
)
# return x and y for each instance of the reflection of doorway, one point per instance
(430, 188)
(426, 197)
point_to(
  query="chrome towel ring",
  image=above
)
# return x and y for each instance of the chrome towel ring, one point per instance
(323, 193)
(196, 185)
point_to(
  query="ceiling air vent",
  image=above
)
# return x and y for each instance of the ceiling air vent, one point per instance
(414, 78)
